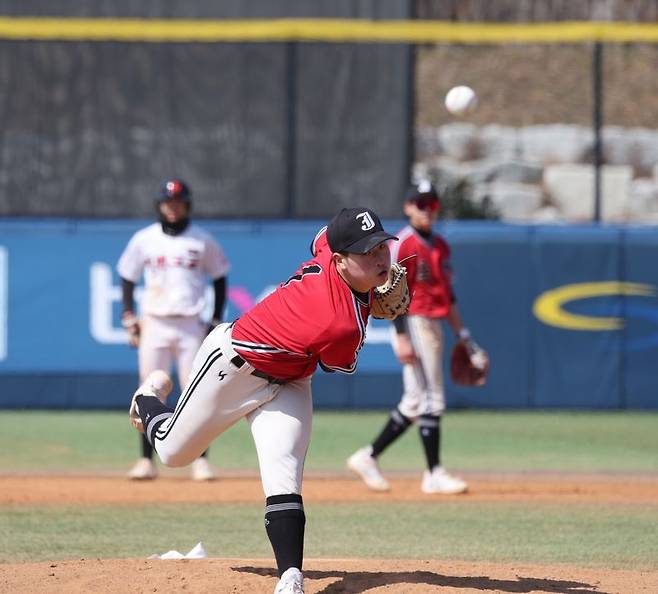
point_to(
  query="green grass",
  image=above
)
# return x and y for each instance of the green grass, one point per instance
(502, 532)
(452, 530)
(476, 441)
(599, 535)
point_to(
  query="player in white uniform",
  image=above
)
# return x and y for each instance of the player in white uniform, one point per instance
(175, 257)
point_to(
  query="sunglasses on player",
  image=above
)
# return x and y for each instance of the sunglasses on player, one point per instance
(427, 203)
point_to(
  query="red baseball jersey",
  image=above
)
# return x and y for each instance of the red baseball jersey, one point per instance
(428, 272)
(313, 318)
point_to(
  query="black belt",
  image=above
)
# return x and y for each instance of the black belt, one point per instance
(238, 361)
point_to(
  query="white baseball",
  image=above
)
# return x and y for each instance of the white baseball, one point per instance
(461, 100)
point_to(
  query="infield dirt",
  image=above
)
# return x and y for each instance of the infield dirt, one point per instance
(328, 576)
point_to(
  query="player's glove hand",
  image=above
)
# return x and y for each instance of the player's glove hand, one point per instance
(131, 324)
(469, 363)
(392, 298)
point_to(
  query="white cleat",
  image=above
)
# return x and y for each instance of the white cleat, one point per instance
(202, 470)
(158, 384)
(143, 470)
(439, 481)
(362, 463)
(291, 582)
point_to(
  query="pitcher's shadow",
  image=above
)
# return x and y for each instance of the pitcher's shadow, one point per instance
(356, 582)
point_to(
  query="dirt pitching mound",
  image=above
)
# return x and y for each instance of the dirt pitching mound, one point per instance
(328, 576)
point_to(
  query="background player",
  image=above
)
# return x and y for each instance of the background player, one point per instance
(175, 257)
(260, 368)
(418, 344)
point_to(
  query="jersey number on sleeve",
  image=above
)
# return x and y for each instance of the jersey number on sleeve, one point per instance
(311, 269)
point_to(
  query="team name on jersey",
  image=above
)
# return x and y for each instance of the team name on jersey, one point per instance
(191, 261)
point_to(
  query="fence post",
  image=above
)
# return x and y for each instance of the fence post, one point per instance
(291, 145)
(597, 119)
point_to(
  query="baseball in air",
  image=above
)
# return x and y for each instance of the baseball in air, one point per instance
(461, 100)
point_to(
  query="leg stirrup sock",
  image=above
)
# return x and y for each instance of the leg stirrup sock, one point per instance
(429, 427)
(153, 413)
(397, 424)
(284, 522)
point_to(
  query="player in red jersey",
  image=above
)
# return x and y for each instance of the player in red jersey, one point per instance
(260, 368)
(418, 345)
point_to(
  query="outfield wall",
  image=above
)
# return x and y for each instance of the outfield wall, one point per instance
(569, 315)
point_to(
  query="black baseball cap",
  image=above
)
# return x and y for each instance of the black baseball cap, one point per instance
(422, 189)
(356, 230)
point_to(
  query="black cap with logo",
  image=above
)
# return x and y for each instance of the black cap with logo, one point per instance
(422, 189)
(356, 230)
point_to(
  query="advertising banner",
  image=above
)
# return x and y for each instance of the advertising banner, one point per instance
(569, 315)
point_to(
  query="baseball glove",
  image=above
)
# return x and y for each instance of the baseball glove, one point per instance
(469, 364)
(392, 298)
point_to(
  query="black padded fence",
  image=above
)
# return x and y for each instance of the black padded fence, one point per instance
(90, 128)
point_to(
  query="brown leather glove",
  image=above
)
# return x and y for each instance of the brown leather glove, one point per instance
(392, 298)
(469, 363)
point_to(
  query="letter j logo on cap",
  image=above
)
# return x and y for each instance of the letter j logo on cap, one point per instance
(366, 221)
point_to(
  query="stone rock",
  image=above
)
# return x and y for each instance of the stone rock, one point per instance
(571, 188)
(514, 202)
(496, 155)
(499, 142)
(476, 172)
(443, 171)
(548, 215)
(643, 199)
(460, 141)
(512, 171)
(637, 147)
(556, 143)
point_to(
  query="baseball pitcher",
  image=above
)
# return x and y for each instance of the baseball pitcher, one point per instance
(260, 368)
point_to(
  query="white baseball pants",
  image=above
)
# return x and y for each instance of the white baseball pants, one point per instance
(423, 380)
(168, 339)
(219, 394)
